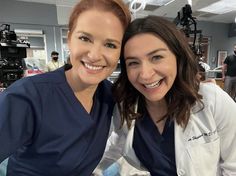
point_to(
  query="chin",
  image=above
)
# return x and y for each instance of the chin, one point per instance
(155, 98)
(92, 81)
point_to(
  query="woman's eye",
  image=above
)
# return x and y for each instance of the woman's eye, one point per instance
(84, 38)
(111, 45)
(157, 57)
(128, 64)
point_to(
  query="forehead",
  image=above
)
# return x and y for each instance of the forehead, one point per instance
(100, 21)
(144, 42)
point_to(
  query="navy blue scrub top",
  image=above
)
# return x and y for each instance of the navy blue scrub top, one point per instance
(154, 150)
(47, 130)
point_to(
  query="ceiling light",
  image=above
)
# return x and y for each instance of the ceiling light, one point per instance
(220, 7)
(190, 2)
(152, 2)
(137, 5)
(158, 2)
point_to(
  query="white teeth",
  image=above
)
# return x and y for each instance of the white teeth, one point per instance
(152, 85)
(92, 67)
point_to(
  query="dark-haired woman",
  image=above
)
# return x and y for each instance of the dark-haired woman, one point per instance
(176, 125)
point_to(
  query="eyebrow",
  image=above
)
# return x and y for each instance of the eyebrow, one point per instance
(108, 39)
(148, 54)
(85, 33)
(156, 50)
(113, 40)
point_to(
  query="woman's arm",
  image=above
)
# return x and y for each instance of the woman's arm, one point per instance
(225, 116)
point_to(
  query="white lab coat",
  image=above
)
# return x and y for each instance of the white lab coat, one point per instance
(207, 147)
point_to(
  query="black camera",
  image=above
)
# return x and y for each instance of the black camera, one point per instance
(189, 27)
(12, 52)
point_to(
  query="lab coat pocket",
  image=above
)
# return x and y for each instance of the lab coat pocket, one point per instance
(205, 157)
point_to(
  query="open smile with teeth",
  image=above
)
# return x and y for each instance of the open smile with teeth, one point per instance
(153, 85)
(93, 67)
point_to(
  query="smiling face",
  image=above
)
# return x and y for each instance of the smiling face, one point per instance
(151, 66)
(94, 46)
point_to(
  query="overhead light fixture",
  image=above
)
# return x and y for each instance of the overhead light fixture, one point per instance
(159, 2)
(29, 31)
(137, 5)
(220, 7)
(190, 2)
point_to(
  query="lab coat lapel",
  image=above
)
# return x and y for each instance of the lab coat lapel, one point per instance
(181, 142)
(128, 151)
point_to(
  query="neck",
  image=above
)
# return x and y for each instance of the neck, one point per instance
(157, 110)
(84, 93)
(86, 99)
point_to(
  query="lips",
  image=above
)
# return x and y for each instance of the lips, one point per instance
(153, 84)
(93, 67)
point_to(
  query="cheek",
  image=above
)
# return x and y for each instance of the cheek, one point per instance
(75, 46)
(113, 58)
(175, 69)
(131, 76)
(77, 52)
(69, 43)
(173, 74)
(75, 58)
(171, 68)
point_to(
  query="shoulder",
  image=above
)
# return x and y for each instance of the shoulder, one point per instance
(37, 83)
(207, 88)
(211, 89)
(104, 90)
(56, 76)
(49, 63)
(106, 84)
(227, 58)
(61, 62)
(211, 93)
(216, 100)
(230, 57)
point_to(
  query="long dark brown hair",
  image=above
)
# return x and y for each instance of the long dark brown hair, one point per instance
(183, 94)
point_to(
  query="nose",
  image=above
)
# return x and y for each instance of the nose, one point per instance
(146, 71)
(95, 53)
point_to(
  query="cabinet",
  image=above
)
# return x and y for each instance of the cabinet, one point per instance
(219, 82)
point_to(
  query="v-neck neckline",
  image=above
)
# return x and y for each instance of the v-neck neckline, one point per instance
(150, 124)
(75, 102)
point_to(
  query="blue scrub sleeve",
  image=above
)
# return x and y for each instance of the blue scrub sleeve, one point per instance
(17, 117)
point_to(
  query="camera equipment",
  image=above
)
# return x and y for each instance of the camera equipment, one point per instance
(12, 52)
(185, 18)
